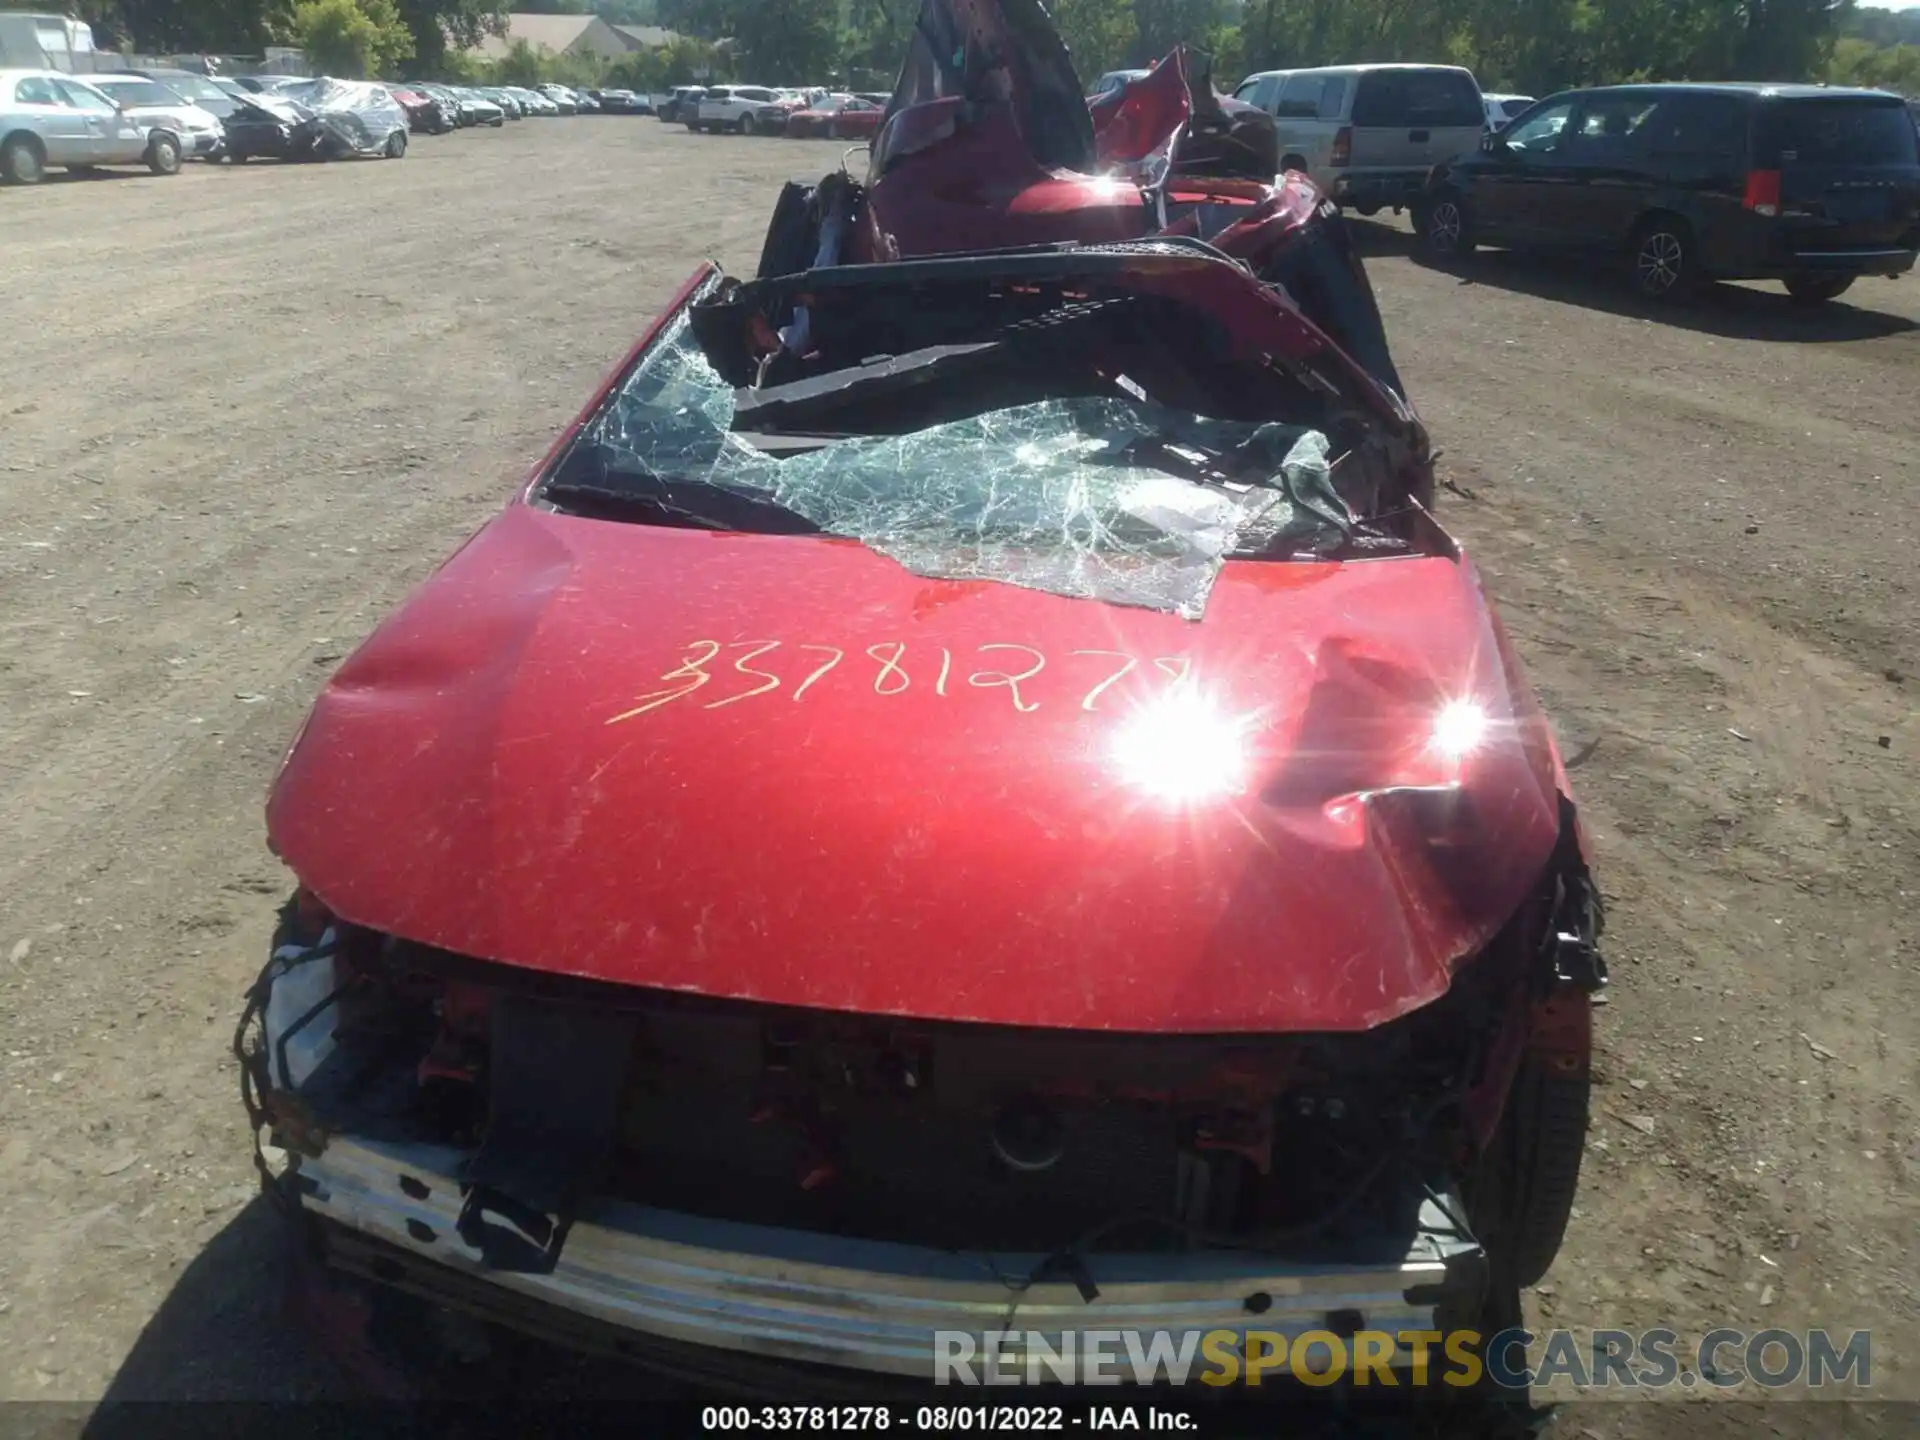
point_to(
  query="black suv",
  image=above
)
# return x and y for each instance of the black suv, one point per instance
(1805, 184)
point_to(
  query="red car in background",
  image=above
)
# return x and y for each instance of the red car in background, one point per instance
(425, 114)
(838, 117)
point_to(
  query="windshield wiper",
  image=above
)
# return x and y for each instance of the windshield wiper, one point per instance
(635, 503)
(595, 479)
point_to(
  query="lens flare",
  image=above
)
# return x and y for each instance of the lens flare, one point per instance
(1182, 748)
(1459, 730)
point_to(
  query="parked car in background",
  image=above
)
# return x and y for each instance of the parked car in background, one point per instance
(743, 109)
(588, 100)
(198, 130)
(1810, 185)
(1116, 80)
(483, 109)
(838, 117)
(624, 102)
(532, 102)
(268, 125)
(679, 107)
(562, 97)
(51, 119)
(196, 89)
(513, 106)
(425, 116)
(1369, 135)
(267, 84)
(1501, 109)
(447, 100)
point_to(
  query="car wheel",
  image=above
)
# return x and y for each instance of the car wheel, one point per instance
(744, 125)
(1538, 1147)
(1443, 226)
(1663, 259)
(1817, 289)
(163, 155)
(238, 157)
(22, 161)
(397, 145)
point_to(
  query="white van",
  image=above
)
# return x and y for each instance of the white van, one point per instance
(46, 42)
(1369, 134)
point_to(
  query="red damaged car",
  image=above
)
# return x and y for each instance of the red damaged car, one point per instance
(836, 117)
(1005, 813)
(964, 793)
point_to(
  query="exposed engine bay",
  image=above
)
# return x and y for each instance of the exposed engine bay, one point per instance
(549, 1098)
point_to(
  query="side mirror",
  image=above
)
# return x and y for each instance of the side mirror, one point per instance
(1491, 143)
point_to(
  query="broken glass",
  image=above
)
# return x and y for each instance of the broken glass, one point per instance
(1103, 498)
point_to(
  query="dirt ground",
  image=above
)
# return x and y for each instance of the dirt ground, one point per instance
(242, 410)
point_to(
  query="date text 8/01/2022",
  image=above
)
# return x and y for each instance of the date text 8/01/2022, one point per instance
(943, 1419)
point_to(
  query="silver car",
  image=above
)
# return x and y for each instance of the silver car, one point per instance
(155, 105)
(1369, 135)
(47, 118)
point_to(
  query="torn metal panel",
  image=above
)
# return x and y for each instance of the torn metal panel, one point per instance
(871, 1305)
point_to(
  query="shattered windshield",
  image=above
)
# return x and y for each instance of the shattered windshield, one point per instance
(1110, 497)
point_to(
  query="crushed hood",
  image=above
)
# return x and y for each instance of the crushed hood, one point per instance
(784, 769)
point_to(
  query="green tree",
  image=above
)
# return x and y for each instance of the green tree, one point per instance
(521, 65)
(708, 19)
(873, 42)
(351, 38)
(779, 42)
(626, 12)
(161, 26)
(1159, 25)
(444, 29)
(1883, 67)
(1098, 33)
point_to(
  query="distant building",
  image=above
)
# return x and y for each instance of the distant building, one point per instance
(574, 35)
(648, 37)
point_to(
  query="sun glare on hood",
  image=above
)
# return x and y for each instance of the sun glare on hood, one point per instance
(1183, 748)
(1459, 730)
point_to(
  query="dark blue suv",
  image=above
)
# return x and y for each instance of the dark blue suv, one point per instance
(1809, 185)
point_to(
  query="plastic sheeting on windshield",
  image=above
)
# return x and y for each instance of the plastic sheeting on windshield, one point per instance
(1080, 497)
(362, 117)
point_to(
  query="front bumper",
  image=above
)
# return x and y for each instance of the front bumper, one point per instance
(205, 144)
(761, 1293)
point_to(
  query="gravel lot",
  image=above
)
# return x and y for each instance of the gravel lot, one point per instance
(241, 411)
